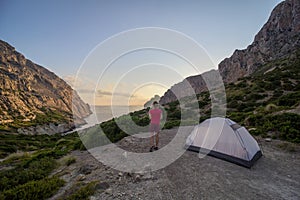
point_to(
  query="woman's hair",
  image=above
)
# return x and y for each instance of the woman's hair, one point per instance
(155, 104)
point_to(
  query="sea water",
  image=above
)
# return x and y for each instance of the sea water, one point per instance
(105, 113)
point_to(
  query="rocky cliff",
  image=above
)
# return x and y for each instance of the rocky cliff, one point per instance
(32, 95)
(150, 102)
(278, 38)
(189, 86)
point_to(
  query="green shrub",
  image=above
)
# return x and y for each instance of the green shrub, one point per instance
(174, 115)
(232, 104)
(84, 192)
(78, 145)
(194, 105)
(241, 106)
(112, 131)
(286, 124)
(197, 104)
(35, 166)
(242, 84)
(269, 86)
(93, 137)
(238, 117)
(237, 97)
(255, 132)
(29, 170)
(203, 118)
(34, 190)
(290, 99)
(10, 143)
(70, 160)
(254, 97)
(171, 124)
(271, 107)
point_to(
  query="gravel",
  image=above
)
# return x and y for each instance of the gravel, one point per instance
(276, 175)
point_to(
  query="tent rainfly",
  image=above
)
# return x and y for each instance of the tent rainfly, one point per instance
(224, 139)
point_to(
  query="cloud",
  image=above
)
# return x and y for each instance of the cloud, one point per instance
(70, 79)
(80, 84)
(85, 91)
(101, 93)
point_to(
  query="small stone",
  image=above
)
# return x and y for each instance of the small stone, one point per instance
(129, 174)
(81, 177)
(93, 198)
(111, 173)
(148, 176)
(268, 139)
(137, 178)
(125, 154)
(86, 169)
(109, 191)
(102, 186)
(120, 174)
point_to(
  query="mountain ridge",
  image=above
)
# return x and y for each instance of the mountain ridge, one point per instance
(279, 37)
(32, 95)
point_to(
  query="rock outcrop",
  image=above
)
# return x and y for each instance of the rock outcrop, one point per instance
(31, 94)
(278, 38)
(188, 87)
(49, 129)
(150, 102)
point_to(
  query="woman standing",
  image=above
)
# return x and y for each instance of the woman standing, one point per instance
(155, 115)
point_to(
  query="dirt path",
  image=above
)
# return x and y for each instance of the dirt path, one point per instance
(275, 176)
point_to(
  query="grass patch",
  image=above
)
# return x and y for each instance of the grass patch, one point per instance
(10, 143)
(81, 192)
(70, 160)
(34, 190)
(26, 170)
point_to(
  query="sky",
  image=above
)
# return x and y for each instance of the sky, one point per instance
(71, 37)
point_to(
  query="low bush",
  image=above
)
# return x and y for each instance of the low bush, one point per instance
(287, 125)
(171, 124)
(70, 160)
(34, 190)
(84, 192)
(33, 166)
(290, 99)
(27, 171)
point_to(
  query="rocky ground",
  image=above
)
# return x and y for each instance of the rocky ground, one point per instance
(275, 176)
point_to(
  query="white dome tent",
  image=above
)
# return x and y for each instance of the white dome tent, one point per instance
(224, 139)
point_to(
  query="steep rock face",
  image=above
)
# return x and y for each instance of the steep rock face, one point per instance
(28, 91)
(278, 38)
(190, 85)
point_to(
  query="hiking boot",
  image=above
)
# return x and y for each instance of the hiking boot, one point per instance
(152, 148)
